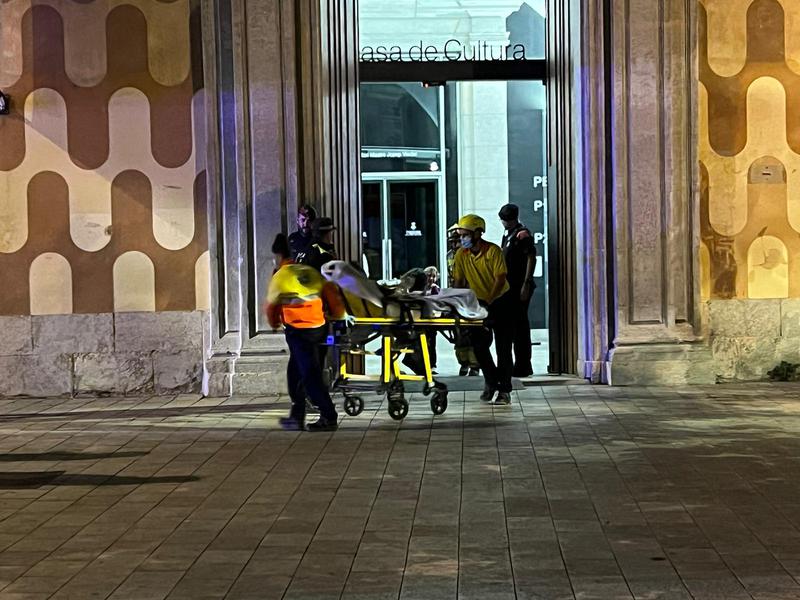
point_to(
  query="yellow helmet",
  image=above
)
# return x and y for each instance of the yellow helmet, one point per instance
(472, 223)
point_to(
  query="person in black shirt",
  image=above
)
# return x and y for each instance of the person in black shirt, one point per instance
(300, 240)
(520, 254)
(321, 249)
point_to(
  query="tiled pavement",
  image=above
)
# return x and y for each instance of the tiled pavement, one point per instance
(573, 491)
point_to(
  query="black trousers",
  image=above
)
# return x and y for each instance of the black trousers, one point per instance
(304, 372)
(500, 325)
(522, 335)
(414, 361)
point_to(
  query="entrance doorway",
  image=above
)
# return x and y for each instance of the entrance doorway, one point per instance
(456, 95)
(433, 152)
(401, 219)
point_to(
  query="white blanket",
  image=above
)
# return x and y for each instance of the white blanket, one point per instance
(448, 301)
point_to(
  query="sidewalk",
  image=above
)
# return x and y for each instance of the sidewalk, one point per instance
(578, 491)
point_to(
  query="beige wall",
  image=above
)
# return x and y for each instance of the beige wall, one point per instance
(102, 168)
(749, 138)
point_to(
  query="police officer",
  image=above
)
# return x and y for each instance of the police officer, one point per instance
(321, 249)
(300, 240)
(520, 254)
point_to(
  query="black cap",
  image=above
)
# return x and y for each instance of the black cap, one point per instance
(281, 245)
(509, 212)
(322, 225)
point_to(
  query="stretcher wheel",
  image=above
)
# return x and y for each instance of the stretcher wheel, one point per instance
(353, 405)
(398, 409)
(395, 392)
(439, 402)
(434, 388)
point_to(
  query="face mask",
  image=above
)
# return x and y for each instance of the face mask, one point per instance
(466, 241)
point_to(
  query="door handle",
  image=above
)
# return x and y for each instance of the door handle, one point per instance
(387, 253)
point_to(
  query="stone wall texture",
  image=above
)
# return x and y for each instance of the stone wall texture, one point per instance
(750, 337)
(102, 164)
(103, 354)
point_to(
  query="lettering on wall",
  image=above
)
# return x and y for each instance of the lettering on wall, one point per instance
(452, 50)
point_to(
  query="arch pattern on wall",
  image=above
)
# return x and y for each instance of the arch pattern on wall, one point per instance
(104, 150)
(749, 146)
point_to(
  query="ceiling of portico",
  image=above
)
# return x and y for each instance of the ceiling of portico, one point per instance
(379, 19)
(427, 9)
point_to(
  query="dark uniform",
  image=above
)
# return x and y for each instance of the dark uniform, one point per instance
(517, 247)
(299, 244)
(318, 254)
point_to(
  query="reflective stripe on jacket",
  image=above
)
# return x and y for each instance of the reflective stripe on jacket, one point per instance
(298, 295)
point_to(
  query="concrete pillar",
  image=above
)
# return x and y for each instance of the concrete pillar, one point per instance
(650, 161)
(283, 131)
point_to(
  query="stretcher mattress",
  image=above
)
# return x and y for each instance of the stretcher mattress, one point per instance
(366, 298)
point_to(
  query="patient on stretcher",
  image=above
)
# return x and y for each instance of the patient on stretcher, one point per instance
(368, 299)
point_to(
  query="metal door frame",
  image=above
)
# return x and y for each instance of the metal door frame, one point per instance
(387, 177)
(563, 315)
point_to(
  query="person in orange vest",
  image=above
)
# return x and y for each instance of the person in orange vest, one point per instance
(298, 297)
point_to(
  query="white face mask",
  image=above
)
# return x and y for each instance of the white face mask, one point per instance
(466, 241)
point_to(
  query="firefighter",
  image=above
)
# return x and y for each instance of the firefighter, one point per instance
(480, 266)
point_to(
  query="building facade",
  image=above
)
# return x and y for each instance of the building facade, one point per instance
(154, 149)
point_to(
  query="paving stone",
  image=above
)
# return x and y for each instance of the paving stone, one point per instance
(147, 585)
(264, 587)
(611, 493)
(384, 585)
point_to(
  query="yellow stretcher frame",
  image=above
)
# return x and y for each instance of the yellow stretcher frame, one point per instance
(390, 365)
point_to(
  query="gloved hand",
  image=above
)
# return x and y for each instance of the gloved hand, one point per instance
(349, 320)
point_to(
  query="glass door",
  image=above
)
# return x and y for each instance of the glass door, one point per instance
(401, 228)
(413, 225)
(372, 228)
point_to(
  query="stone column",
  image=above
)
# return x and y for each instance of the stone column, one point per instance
(283, 131)
(587, 73)
(653, 167)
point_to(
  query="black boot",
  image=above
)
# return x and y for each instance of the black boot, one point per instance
(323, 424)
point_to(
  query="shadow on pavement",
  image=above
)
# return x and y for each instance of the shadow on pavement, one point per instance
(32, 479)
(64, 456)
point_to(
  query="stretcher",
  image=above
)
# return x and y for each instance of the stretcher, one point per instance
(403, 323)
